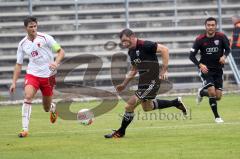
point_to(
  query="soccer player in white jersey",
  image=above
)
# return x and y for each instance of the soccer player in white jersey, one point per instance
(41, 70)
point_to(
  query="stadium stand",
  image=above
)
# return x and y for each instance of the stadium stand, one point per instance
(98, 26)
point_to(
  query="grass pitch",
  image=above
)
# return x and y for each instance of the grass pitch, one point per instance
(163, 134)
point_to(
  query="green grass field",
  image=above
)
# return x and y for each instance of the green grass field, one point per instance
(150, 136)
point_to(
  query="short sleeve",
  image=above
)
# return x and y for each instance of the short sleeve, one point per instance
(150, 46)
(20, 55)
(53, 44)
(226, 45)
(196, 46)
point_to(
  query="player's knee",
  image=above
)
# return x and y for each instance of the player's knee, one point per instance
(146, 109)
(212, 94)
(129, 108)
(131, 105)
(28, 97)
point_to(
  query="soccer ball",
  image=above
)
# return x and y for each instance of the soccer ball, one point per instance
(85, 117)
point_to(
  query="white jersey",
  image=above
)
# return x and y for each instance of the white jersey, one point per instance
(40, 54)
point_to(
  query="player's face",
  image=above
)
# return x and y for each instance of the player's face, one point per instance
(211, 27)
(127, 42)
(32, 29)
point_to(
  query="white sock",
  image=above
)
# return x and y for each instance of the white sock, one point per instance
(53, 107)
(26, 112)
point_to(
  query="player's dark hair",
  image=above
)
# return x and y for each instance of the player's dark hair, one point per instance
(127, 32)
(210, 19)
(29, 19)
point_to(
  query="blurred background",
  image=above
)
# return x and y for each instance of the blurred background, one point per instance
(89, 28)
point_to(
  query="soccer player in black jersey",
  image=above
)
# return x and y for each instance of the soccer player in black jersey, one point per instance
(143, 55)
(214, 49)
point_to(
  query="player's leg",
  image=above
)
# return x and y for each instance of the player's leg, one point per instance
(203, 91)
(49, 106)
(149, 105)
(218, 94)
(213, 103)
(46, 87)
(218, 83)
(218, 97)
(126, 119)
(46, 102)
(30, 90)
(149, 102)
(129, 113)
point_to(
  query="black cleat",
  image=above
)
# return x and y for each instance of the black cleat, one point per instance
(114, 134)
(181, 106)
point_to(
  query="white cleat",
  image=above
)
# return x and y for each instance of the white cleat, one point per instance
(199, 98)
(219, 120)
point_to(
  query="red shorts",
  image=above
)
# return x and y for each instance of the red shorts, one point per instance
(46, 85)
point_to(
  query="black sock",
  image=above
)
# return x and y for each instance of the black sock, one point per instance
(213, 104)
(161, 104)
(126, 120)
(204, 92)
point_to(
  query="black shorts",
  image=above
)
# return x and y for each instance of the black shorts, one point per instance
(148, 90)
(214, 77)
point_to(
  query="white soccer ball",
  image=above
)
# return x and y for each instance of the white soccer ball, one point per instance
(85, 117)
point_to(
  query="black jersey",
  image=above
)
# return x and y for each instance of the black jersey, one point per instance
(144, 56)
(211, 49)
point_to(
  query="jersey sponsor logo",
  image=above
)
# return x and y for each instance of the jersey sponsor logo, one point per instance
(212, 50)
(216, 42)
(34, 53)
(137, 61)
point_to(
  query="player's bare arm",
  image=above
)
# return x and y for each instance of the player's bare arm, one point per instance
(16, 74)
(59, 58)
(164, 52)
(131, 74)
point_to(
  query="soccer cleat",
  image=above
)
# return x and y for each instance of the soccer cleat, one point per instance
(199, 98)
(53, 116)
(114, 134)
(219, 120)
(182, 106)
(23, 133)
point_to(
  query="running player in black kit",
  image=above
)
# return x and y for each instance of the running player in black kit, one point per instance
(214, 49)
(143, 55)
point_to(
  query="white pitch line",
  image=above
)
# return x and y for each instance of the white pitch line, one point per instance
(190, 125)
(131, 129)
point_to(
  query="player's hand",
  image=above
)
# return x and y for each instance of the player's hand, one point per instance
(120, 87)
(163, 75)
(203, 68)
(222, 60)
(53, 66)
(12, 88)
